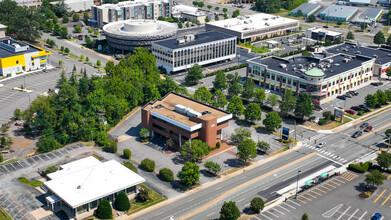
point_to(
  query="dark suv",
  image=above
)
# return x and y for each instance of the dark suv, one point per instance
(357, 134)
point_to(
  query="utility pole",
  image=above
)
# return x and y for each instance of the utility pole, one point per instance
(297, 183)
(295, 134)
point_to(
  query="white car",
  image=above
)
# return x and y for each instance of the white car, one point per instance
(321, 144)
(267, 91)
(316, 120)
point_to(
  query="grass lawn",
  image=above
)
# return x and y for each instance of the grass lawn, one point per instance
(9, 161)
(4, 215)
(352, 116)
(34, 183)
(334, 124)
(154, 199)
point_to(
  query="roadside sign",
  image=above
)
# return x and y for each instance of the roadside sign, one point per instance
(285, 133)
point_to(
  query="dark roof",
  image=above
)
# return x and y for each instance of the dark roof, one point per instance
(6, 53)
(382, 55)
(294, 65)
(202, 38)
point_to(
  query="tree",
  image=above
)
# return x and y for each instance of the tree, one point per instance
(194, 75)
(57, 30)
(375, 178)
(202, 94)
(198, 23)
(219, 100)
(76, 17)
(77, 29)
(235, 106)
(217, 8)
(272, 100)
(61, 8)
(142, 195)
(64, 33)
(180, 25)
(148, 165)
(201, 4)
(235, 88)
(327, 115)
(212, 167)
(259, 95)
(371, 101)
(304, 216)
(65, 19)
(263, 146)
(257, 204)
(339, 22)
(49, 25)
(17, 114)
(110, 146)
(190, 174)
(388, 42)
(217, 18)
(122, 202)
(247, 149)
(3, 141)
(104, 210)
(379, 38)
(90, 31)
(51, 43)
(288, 102)
(381, 98)
(229, 211)
(166, 175)
(311, 18)
(127, 154)
(388, 72)
(195, 3)
(196, 149)
(1, 157)
(87, 59)
(96, 32)
(47, 143)
(350, 35)
(253, 112)
(225, 16)
(304, 106)
(299, 12)
(67, 50)
(220, 82)
(363, 26)
(248, 89)
(207, 19)
(240, 134)
(225, 10)
(384, 160)
(209, 6)
(86, 17)
(144, 133)
(236, 13)
(272, 121)
(98, 63)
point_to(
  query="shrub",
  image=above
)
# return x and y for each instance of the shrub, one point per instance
(104, 210)
(111, 146)
(323, 121)
(360, 112)
(142, 195)
(360, 169)
(266, 108)
(1, 157)
(212, 167)
(130, 166)
(166, 175)
(257, 204)
(218, 145)
(122, 202)
(127, 153)
(148, 165)
(51, 169)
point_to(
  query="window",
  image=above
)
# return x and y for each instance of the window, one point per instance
(17, 62)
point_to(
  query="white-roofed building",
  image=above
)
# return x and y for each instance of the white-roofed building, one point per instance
(79, 186)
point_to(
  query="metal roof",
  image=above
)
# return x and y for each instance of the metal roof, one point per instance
(306, 8)
(369, 14)
(338, 11)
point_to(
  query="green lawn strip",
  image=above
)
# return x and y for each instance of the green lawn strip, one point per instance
(154, 199)
(4, 215)
(9, 161)
(34, 183)
(352, 116)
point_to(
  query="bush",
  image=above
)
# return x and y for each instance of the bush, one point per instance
(130, 166)
(127, 154)
(166, 175)
(360, 169)
(51, 169)
(111, 146)
(104, 210)
(257, 204)
(212, 167)
(142, 195)
(148, 165)
(122, 202)
(323, 121)
(266, 108)
(1, 157)
(218, 145)
(360, 112)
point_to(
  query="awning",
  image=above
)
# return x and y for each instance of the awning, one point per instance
(309, 181)
(324, 174)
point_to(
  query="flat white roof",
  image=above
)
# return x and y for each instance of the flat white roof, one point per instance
(94, 182)
(252, 22)
(74, 166)
(184, 8)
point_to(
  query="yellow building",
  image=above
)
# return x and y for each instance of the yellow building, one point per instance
(17, 57)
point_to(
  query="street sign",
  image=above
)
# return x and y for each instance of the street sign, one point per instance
(285, 133)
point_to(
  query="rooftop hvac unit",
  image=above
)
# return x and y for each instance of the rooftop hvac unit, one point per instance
(180, 41)
(337, 64)
(186, 111)
(246, 22)
(282, 65)
(375, 55)
(346, 60)
(189, 37)
(389, 54)
(358, 52)
(267, 24)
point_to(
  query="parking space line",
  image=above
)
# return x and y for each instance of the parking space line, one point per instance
(317, 188)
(325, 187)
(305, 198)
(301, 201)
(379, 196)
(386, 199)
(339, 180)
(363, 215)
(257, 217)
(266, 216)
(334, 183)
(272, 214)
(330, 185)
(288, 205)
(278, 211)
(316, 193)
(284, 208)
(294, 202)
(352, 216)
(389, 177)
(308, 193)
(344, 213)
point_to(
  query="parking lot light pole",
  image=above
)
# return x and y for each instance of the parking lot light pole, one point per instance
(297, 183)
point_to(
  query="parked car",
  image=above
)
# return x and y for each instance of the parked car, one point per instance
(311, 118)
(350, 111)
(376, 216)
(357, 134)
(341, 97)
(316, 120)
(348, 95)
(355, 108)
(321, 144)
(364, 125)
(368, 129)
(364, 108)
(377, 83)
(354, 93)
(267, 91)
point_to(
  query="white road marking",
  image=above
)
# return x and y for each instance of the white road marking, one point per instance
(210, 214)
(190, 200)
(363, 215)
(344, 213)
(257, 218)
(266, 216)
(240, 200)
(294, 202)
(330, 159)
(288, 205)
(278, 211)
(352, 216)
(272, 214)
(219, 188)
(284, 208)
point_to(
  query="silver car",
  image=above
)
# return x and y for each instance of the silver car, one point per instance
(321, 144)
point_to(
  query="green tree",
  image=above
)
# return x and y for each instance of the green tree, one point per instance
(1, 157)
(375, 178)
(90, 31)
(47, 143)
(64, 33)
(217, 8)
(253, 112)
(187, 24)
(142, 195)
(148, 165)
(248, 89)
(51, 43)
(225, 10)
(339, 23)
(76, 17)
(229, 211)
(86, 17)
(96, 32)
(384, 160)
(87, 59)
(304, 216)
(65, 19)
(288, 102)
(225, 16)
(381, 98)
(311, 18)
(209, 7)
(202, 94)
(259, 95)
(144, 133)
(3, 141)
(371, 101)
(350, 35)
(49, 25)
(98, 63)
(257, 204)
(17, 114)
(180, 25)
(235, 88)
(379, 38)
(272, 121)
(207, 19)
(194, 150)
(220, 82)
(217, 18)
(110, 146)
(166, 175)
(57, 30)
(122, 202)
(67, 50)
(194, 75)
(61, 8)
(299, 12)
(263, 146)
(104, 210)
(304, 106)
(195, 3)
(127, 154)
(190, 174)
(272, 100)
(201, 4)
(198, 23)
(212, 167)
(363, 26)
(235, 106)
(327, 115)
(247, 149)
(388, 72)
(219, 100)
(236, 13)
(77, 29)
(240, 134)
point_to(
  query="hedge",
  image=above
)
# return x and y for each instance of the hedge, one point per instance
(166, 175)
(127, 154)
(51, 169)
(130, 166)
(360, 169)
(377, 167)
(323, 121)
(148, 165)
(111, 146)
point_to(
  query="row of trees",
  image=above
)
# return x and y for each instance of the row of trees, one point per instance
(274, 6)
(378, 99)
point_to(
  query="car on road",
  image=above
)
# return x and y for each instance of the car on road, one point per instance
(376, 216)
(321, 144)
(350, 111)
(341, 97)
(368, 129)
(376, 83)
(364, 125)
(357, 134)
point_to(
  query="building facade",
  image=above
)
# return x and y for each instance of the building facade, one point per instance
(29, 3)
(306, 9)
(183, 53)
(182, 119)
(130, 10)
(320, 34)
(319, 77)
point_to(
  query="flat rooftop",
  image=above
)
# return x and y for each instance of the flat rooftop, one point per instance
(7, 53)
(130, 3)
(297, 66)
(328, 32)
(306, 8)
(338, 11)
(202, 38)
(166, 108)
(252, 22)
(382, 55)
(74, 166)
(369, 14)
(93, 182)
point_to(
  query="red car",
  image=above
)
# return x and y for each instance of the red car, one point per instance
(350, 111)
(369, 128)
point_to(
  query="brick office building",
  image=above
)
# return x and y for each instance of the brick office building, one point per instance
(182, 119)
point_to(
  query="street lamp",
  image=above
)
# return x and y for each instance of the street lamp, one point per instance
(297, 183)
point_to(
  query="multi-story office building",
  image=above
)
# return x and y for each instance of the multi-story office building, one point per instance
(130, 10)
(319, 77)
(29, 3)
(17, 57)
(318, 33)
(183, 119)
(183, 53)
